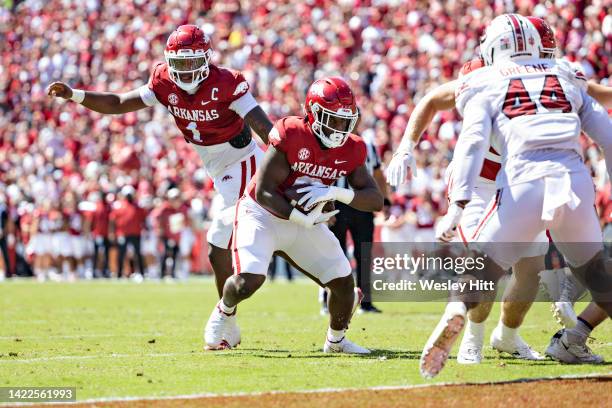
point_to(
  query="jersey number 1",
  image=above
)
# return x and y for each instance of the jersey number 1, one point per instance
(519, 103)
(194, 129)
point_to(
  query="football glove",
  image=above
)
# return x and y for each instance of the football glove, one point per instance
(316, 194)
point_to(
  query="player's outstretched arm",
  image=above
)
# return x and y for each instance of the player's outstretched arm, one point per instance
(103, 102)
(602, 93)
(439, 99)
(598, 126)
(259, 122)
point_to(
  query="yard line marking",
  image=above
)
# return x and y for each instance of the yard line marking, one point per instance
(76, 336)
(88, 357)
(336, 390)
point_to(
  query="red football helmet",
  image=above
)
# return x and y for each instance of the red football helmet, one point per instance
(331, 110)
(188, 53)
(471, 66)
(547, 36)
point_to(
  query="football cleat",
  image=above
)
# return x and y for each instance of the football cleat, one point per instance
(221, 331)
(565, 314)
(344, 346)
(233, 331)
(515, 347)
(561, 349)
(470, 350)
(438, 346)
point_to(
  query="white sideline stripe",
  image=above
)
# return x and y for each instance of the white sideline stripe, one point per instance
(113, 355)
(76, 336)
(336, 390)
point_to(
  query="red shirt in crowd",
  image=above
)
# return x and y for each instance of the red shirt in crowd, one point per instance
(99, 220)
(163, 216)
(128, 218)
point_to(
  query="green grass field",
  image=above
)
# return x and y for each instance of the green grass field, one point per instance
(118, 339)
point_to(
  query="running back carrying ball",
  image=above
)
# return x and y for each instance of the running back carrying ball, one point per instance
(293, 196)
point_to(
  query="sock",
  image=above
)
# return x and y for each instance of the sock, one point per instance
(579, 333)
(475, 331)
(335, 336)
(226, 309)
(506, 333)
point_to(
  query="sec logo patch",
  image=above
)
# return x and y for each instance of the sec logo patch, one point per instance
(173, 99)
(303, 154)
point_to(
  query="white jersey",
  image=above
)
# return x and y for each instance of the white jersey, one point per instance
(532, 113)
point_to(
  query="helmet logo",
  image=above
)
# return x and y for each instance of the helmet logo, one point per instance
(304, 153)
(317, 89)
(173, 99)
(505, 43)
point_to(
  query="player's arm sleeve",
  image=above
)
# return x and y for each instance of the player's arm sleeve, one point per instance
(471, 148)
(601, 93)
(244, 104)
(598, 125)
(147, 95)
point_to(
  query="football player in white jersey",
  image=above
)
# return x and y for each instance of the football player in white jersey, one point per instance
(532, 111)
(524, 284)
(525, 280)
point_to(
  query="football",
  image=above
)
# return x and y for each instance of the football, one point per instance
(293, 196)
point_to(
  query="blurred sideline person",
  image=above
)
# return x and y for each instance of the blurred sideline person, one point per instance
(99, 226)
(150, 242)
(126, 226)
(7, 233)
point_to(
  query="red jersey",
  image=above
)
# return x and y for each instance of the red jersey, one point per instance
(99, 220)
(308, 160)
(128, 218)
(205, 117)
(169, 221)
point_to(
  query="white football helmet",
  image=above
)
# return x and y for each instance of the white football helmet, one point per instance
(510, 37)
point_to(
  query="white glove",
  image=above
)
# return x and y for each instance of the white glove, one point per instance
(314, 217)
(447, 227)
(317, 193)
(397, 171)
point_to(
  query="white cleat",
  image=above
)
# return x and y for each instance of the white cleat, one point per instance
(565, 314)
(344, 346)
(219, 327)
(438, 346)
(515, 347)
(470, 349)
(233, 331)
(561, 349)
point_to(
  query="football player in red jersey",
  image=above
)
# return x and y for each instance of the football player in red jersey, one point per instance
(315, 150)
(213, 108)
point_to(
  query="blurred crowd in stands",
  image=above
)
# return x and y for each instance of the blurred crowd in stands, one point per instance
(70, 178)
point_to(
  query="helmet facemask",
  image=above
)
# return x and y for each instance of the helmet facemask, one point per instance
(188, 68)
(333, 127)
